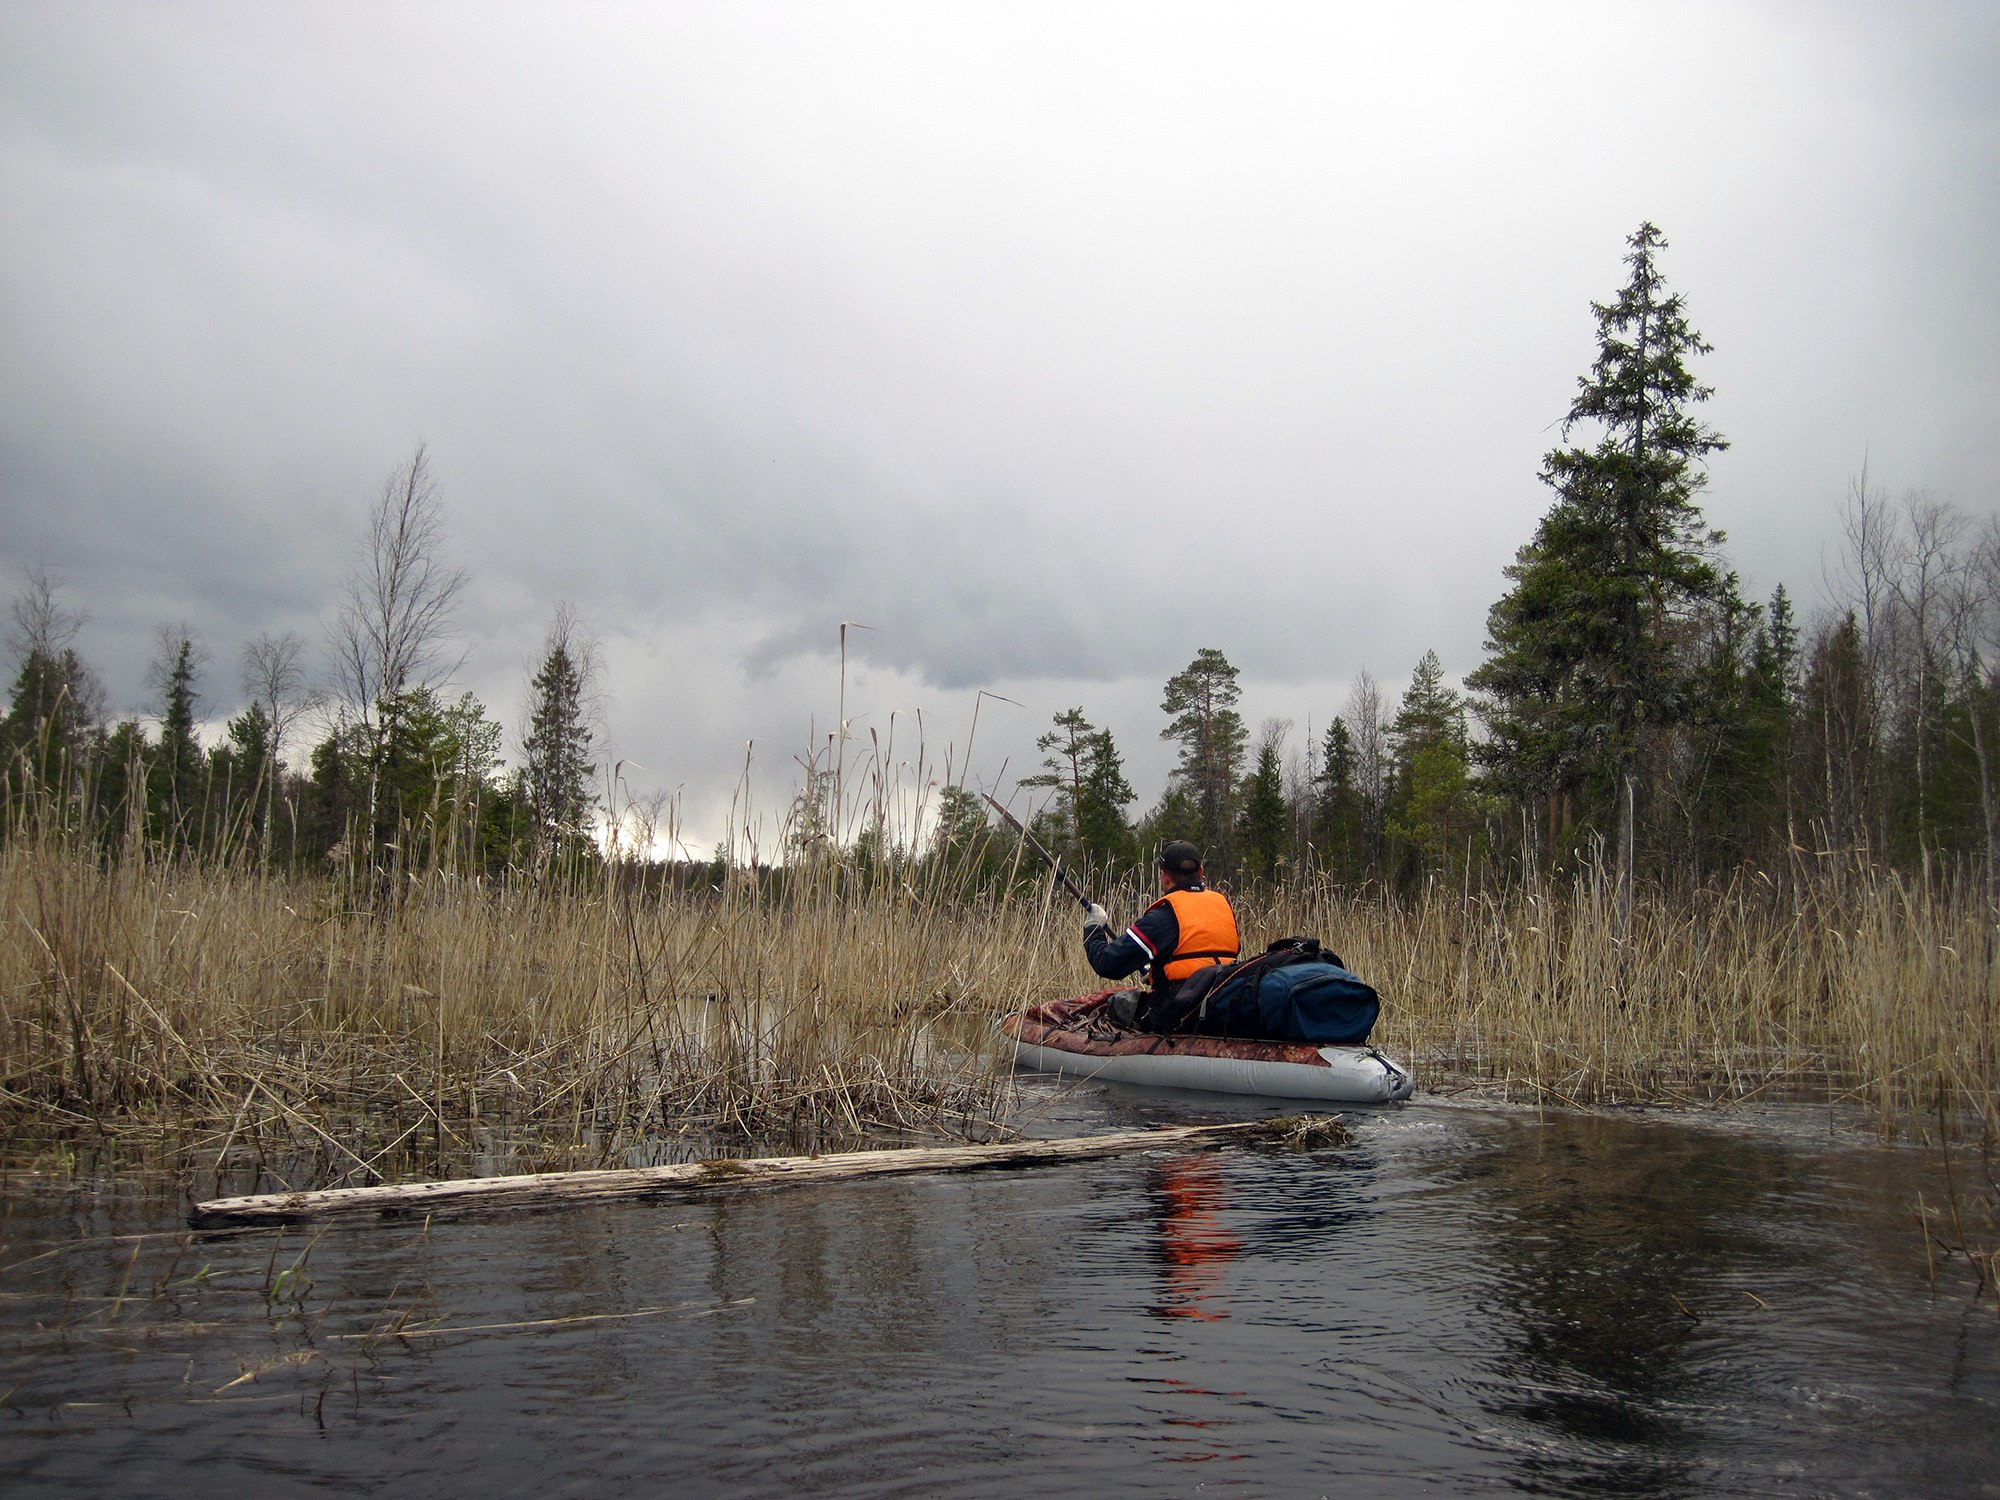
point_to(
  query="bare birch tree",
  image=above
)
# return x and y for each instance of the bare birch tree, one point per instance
(391, 631)
(55, 698)
(274, 677)
(1369, 727)
(394, 623)
(41, 626)
(273, 670)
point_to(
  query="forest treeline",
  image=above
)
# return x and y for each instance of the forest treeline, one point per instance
(1633, 713)
(403, 775)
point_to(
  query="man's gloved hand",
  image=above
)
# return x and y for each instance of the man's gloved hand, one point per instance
(1095, 916)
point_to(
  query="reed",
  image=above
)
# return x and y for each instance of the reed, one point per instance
(1857, 985)
(275, 1025)
(259, 1029)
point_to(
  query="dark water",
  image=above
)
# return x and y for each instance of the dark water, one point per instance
(1462, 1301)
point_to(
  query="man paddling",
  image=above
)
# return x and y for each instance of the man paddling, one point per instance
(1190, 927)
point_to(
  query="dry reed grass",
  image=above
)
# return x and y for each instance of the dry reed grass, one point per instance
(270, 1031)
(273, 1024)
(1862, 986)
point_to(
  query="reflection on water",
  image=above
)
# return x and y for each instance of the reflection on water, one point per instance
(1196, 1245)
(1462, 1301)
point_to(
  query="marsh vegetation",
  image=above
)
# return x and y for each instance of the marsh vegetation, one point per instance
(247, 1028)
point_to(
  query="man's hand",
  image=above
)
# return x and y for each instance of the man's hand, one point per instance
(1095, 916)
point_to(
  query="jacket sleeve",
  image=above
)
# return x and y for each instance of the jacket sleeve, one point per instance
(1157, 932)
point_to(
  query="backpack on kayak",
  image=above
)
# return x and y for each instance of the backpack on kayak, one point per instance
(1294, 991)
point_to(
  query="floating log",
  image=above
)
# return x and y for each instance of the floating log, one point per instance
(730, 1174)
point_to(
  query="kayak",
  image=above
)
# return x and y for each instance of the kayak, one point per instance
(1078, 1038)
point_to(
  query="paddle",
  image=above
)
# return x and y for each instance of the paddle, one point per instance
(1035, 844)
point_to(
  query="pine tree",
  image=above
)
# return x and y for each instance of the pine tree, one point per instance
(1584, 665)
(1203, 699)
(1065, 749)
(1101, 830)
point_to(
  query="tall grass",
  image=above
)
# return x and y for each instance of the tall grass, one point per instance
(330, 1029)
(1851, 984)
(265, 1028)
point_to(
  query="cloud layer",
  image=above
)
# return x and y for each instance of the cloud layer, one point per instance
(1053, 344)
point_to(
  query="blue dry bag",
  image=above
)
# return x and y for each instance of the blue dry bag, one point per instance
(1295, 992)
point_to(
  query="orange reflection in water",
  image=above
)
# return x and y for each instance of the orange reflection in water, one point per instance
(1195, 1245)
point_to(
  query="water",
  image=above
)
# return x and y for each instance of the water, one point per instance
(1464, 1300)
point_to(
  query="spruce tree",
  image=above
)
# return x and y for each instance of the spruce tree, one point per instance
(558, 743)
(50, 711)
(1338, 813)
(1264, 828)
(176, 772)
(1584, 667)
(247, 763)
(1202, 698)
(55, 704)
(1431, 809)
(1837, 734)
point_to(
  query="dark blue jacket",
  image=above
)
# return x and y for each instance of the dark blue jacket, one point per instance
(1156, 934)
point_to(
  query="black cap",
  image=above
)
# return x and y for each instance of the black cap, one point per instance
(1181, 858)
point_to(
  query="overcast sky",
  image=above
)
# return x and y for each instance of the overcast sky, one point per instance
(1054, 342)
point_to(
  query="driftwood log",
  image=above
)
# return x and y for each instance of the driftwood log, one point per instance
(553, 1189)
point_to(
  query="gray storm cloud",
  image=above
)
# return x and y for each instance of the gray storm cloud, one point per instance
(1053, 344)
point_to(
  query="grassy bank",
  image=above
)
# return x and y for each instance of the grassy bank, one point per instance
(266, 1030)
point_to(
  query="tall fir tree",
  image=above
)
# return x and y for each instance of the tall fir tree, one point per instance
(558, 743)
(1585, 667)
(1338, 813)
(1264, 824)
(1432, 808)
(176, 772)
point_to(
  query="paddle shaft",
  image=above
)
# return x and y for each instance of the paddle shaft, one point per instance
(1035, 844)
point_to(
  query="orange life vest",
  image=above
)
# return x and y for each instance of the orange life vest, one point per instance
(1208, 934)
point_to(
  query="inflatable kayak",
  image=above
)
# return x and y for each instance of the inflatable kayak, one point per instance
(1078, 1037)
